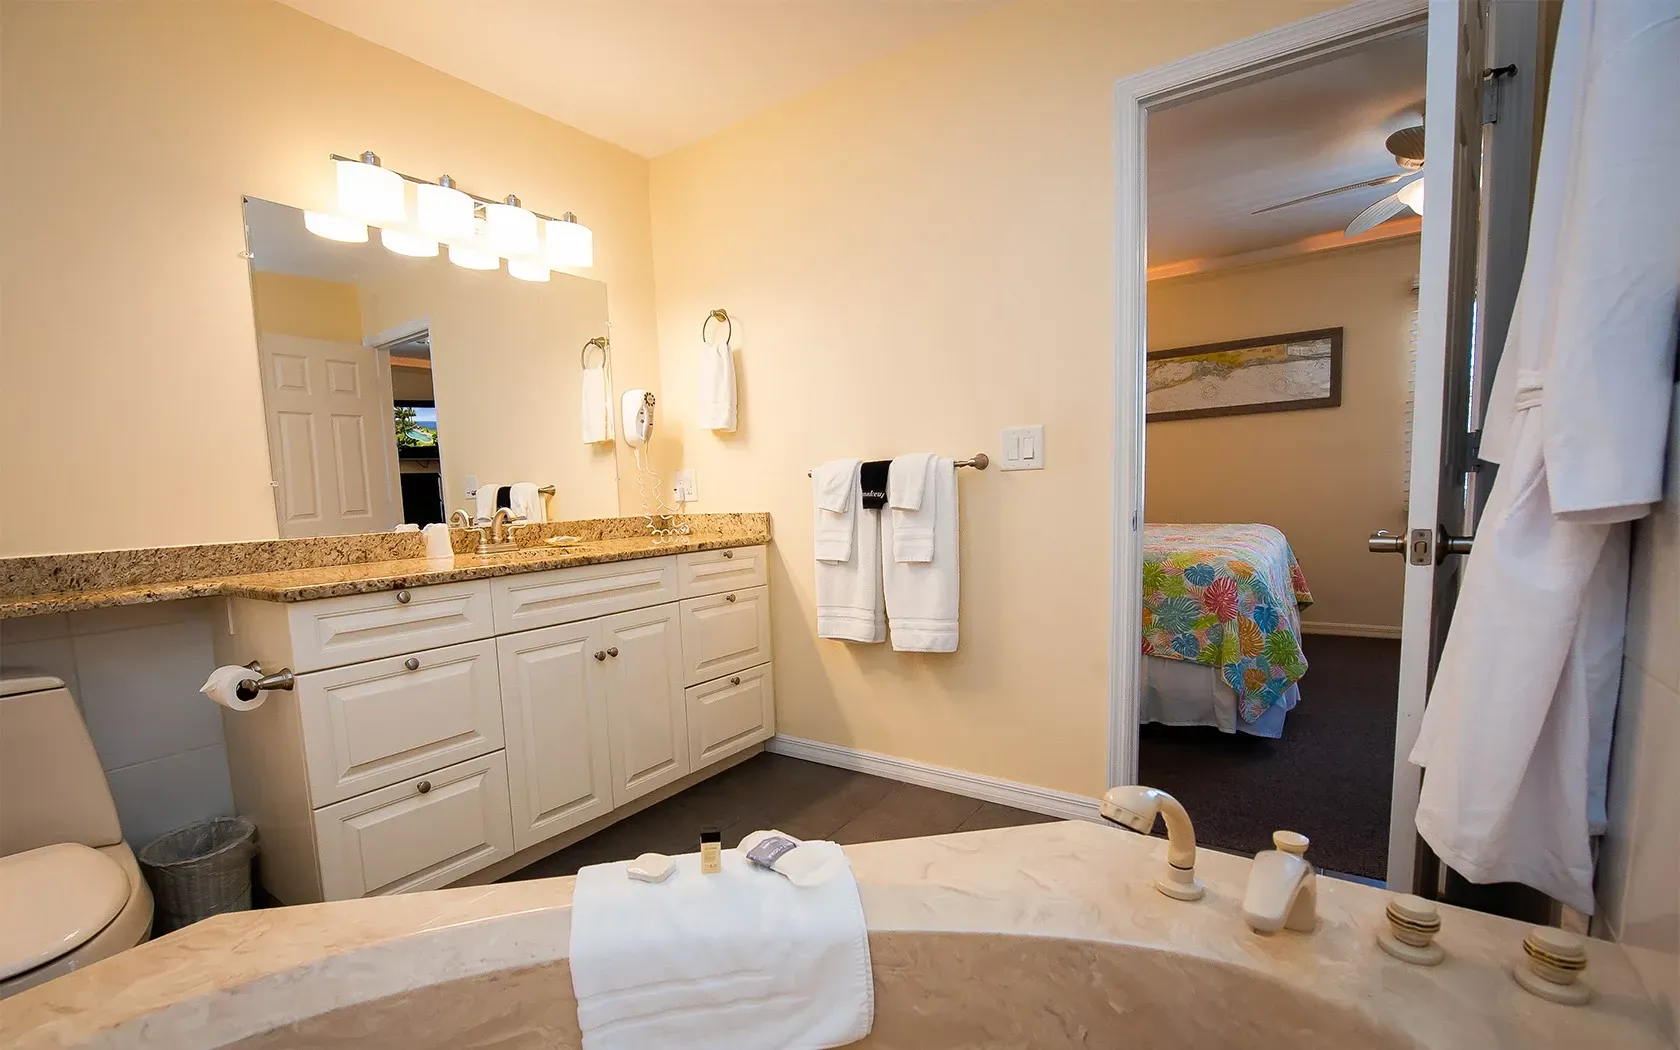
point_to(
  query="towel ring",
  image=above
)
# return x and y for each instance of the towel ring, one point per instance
(718, 315)
(600, 343)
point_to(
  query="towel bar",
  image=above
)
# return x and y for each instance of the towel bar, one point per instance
(980, 462)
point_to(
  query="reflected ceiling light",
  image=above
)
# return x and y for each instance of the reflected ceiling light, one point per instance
(570, 243)
(470, 258)
(404, 243)
(335, 227)
(513, 230)
(369, 192)
(528, 269)
(1411, 195)
(442, 210)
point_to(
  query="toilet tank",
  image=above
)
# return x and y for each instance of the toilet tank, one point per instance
(52, 787)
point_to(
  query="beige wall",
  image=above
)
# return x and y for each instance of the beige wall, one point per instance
(286, 304)
(505, 376)
(128, 132)
(918, 255)
(1327, 477)
(1639, 866)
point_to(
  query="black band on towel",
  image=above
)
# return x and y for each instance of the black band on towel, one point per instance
(504, 497)
(874, 479)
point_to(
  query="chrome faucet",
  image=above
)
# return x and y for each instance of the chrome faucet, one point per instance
(501, 536)
(1135, 806)
(1282, 889)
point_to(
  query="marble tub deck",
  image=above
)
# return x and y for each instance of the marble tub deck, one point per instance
(356, 972)
(301, 570)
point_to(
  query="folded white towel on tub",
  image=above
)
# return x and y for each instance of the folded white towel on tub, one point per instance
(741, 960)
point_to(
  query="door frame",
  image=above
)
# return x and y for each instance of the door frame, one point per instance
(1255, 58)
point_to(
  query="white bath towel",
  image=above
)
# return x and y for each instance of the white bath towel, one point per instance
(834, 487)
(527, 503)
(717, 388)
(850, 605)
(922, 597)
(596, 406)
(487, 499)
(914, 517)
(741, 960)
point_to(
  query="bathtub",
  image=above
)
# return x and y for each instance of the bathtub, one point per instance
(1045, 936)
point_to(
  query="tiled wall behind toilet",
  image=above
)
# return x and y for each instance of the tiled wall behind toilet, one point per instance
(1639, 868)
(135, 671)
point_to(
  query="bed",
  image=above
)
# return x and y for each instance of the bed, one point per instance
(1221, 627)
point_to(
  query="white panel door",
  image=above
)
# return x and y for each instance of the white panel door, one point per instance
(554, 704)
(328, 428)
(649, 723)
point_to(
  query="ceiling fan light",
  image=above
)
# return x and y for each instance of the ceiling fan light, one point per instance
(369, 192)
(442, 210)
(570, 243)
(1411, 195)
(512, 229)
(404, 243)
(335, 227)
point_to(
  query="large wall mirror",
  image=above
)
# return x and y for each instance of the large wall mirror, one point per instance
(399, 389)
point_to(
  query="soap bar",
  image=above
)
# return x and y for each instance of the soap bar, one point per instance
(651, 867)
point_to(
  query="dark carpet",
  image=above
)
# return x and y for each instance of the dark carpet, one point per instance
(1329, 777)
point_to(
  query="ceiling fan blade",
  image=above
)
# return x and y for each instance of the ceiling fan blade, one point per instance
(1380, 212)
(1339, 189)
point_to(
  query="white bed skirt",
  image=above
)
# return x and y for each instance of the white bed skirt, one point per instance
(1180, 693)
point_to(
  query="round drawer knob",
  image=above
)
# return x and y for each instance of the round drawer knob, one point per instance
(729, 554)
(403, 597)
(613, 652)
(423, 787)
(600, 654)
(729, 597)
(734, 679)
(412, 663)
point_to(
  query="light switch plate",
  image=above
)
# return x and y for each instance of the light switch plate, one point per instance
(684, 488)
(472, 485)
(1023, 447)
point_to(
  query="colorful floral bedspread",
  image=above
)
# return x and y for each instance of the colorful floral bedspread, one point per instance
(1228, 596)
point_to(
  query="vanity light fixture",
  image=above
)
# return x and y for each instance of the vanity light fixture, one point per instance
(513, 230)
(570, 243)
(442, 210)
(369, 192)
(335, 227)
(528, 270)
(469, 258)
(404, 243)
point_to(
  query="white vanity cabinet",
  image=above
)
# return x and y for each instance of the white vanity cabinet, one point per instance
(438, 730)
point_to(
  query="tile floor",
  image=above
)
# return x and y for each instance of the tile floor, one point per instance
(802, 798)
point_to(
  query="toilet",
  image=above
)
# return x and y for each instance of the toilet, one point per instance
(71, 892)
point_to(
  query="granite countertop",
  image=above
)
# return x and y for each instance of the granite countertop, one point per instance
(234, 976)
(306, 582)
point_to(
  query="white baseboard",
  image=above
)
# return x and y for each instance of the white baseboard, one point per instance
(1063, 804)
(1350, 630)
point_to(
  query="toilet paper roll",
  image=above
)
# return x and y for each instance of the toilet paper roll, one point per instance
(223, 682)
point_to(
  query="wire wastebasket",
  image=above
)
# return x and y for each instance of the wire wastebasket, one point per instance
(200, 870)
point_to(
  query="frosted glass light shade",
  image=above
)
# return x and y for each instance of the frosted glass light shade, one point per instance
(443, 212)
(405, 243)
(335, 227)
(512, 229)
(528, 269)
(570, 243)
(1411, 195)
(469, 258)
(370, 193)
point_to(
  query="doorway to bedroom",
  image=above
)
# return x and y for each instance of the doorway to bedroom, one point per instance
(1283, 221)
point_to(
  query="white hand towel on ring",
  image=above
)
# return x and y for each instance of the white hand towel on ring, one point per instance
(717, 388)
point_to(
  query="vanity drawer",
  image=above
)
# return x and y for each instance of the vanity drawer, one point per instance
(728, 714)
(331, 632)
(709, 572)
(542, 599)
(724, 633)
(373, 724)
(417, 835)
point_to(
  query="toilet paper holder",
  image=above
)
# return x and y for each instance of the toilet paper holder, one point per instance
(248, 688)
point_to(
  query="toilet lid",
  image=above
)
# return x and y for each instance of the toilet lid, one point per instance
(53, 900)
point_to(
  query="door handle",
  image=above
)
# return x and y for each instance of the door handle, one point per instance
(1425, 547)
(613, 652)
(600, 654)
(1384, 542)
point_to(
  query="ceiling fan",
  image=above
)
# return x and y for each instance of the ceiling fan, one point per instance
(1407, 147)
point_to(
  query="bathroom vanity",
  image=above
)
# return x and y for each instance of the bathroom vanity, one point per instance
(433, 731)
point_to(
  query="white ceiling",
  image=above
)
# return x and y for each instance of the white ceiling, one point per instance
(1213, 161)
(649, 75)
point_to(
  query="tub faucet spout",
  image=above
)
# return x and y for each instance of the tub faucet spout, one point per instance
(1282, 891)
(1135, 806)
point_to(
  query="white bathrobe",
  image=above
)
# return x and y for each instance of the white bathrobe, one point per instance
(1515, 739)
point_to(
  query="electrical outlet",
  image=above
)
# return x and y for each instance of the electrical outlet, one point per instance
(472, 485)
(684, 489)
(1023, 448)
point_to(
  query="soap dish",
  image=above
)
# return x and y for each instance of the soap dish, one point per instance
(564, 541)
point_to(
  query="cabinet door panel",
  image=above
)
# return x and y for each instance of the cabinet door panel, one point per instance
(725, 633)
(710, 572)
(554, 704)
(729, 714)
(649, 724)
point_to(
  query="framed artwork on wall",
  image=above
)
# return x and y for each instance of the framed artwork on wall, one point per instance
(1274, 373)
